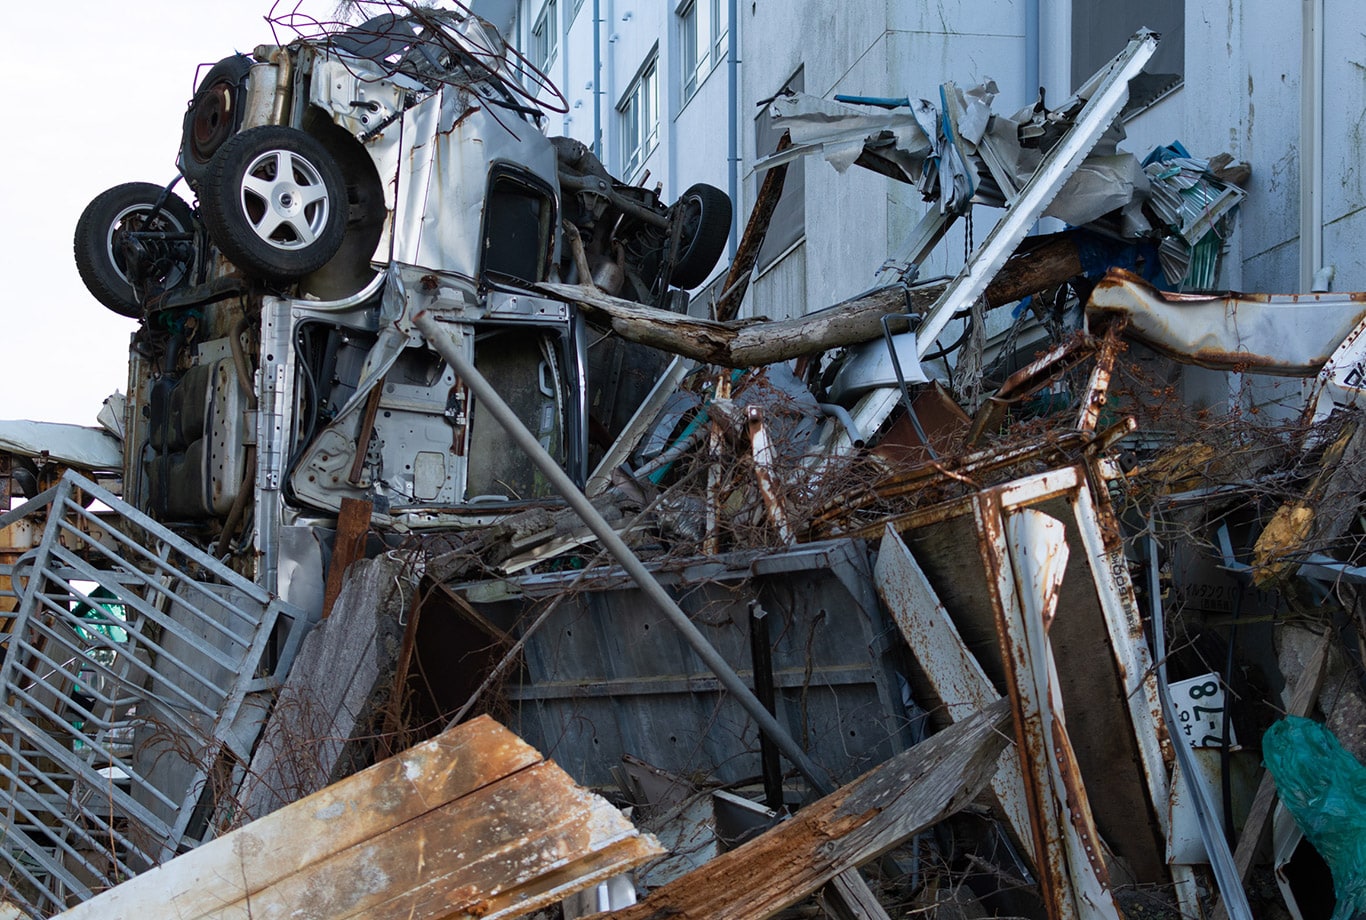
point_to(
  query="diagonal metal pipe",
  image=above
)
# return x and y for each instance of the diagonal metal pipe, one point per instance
(441, 338)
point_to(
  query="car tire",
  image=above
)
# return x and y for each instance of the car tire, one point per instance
(274, 202)
(101, 248)
(213, 116)
(707, 212)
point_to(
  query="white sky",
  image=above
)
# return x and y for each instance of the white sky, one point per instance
(96, 93)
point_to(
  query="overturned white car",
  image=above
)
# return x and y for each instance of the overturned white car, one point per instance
(345, 181)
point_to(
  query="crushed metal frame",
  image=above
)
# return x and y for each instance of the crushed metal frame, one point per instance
(137, 673)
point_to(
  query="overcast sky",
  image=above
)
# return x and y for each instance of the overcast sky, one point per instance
(96, 93)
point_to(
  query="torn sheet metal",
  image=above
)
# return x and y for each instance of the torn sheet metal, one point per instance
(1342, 376)
(839, 133)
(1197, 207)
(1100, 109)
(1291, 335)
(84, 448)
(1031, 551)
(961, 150)
(1111, 714)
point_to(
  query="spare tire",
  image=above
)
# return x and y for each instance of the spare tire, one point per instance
(706, 212)
(274, 202)
(213, 116)
(117, 263)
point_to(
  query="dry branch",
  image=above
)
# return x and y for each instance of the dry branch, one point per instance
(754, 343)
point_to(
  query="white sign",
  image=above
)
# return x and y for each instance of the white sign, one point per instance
(1199, 705)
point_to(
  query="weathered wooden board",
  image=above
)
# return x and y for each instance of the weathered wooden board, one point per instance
(474, 822)
(852, 825)
(958, 680)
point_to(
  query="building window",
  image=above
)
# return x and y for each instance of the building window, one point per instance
(702, 34)
(545, 35)
(1101, 29)
(788, 224)
(638, 116)
(720, 30)
(574, 9)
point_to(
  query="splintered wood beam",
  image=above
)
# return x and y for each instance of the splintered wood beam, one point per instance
(856, 823)
(755, 343)
(474, 823)
(756, 231)
(353, 523)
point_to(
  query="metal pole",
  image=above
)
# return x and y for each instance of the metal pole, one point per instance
(441, 338)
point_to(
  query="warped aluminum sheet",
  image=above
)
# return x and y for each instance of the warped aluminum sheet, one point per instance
(1289, 335)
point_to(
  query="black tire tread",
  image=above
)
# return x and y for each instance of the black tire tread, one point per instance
(228, 227)
(89, 246)
(699, 254)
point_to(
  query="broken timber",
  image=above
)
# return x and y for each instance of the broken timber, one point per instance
(754, 343)
(474, 822)
(856, 823)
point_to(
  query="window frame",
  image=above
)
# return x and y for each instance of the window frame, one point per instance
(690, 40)
(720, 13)
(545, 34)
(703, 32)
(637, 139)
(789, 213)
(1109, 22)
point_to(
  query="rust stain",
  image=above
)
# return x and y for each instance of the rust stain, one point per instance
(1078, 806)
(1030, 743)
(1122, 278)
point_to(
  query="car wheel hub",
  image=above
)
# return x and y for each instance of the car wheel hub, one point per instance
(285, 199)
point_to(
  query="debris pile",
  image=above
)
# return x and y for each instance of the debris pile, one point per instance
(844, 617)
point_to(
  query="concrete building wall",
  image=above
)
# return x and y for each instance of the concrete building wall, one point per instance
(1242, 93)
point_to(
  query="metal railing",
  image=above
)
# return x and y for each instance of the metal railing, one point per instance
(137, 672)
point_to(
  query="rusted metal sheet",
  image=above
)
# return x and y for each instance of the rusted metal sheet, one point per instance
(1028, 380)
(474, 822)
(1115, 593)
(1032, 744)
(1284, 334)
(1026, 554)
(1098, 386)
(1017, 613)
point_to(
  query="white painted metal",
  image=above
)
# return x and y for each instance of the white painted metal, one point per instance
(963, 687)
(130, 693)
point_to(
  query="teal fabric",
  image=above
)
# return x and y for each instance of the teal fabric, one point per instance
(1324, 787)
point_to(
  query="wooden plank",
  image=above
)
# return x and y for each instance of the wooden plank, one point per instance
(756, 230)
(852, 825)
(349, 545)
(956, 676)
(752, 343)
(474, 820)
